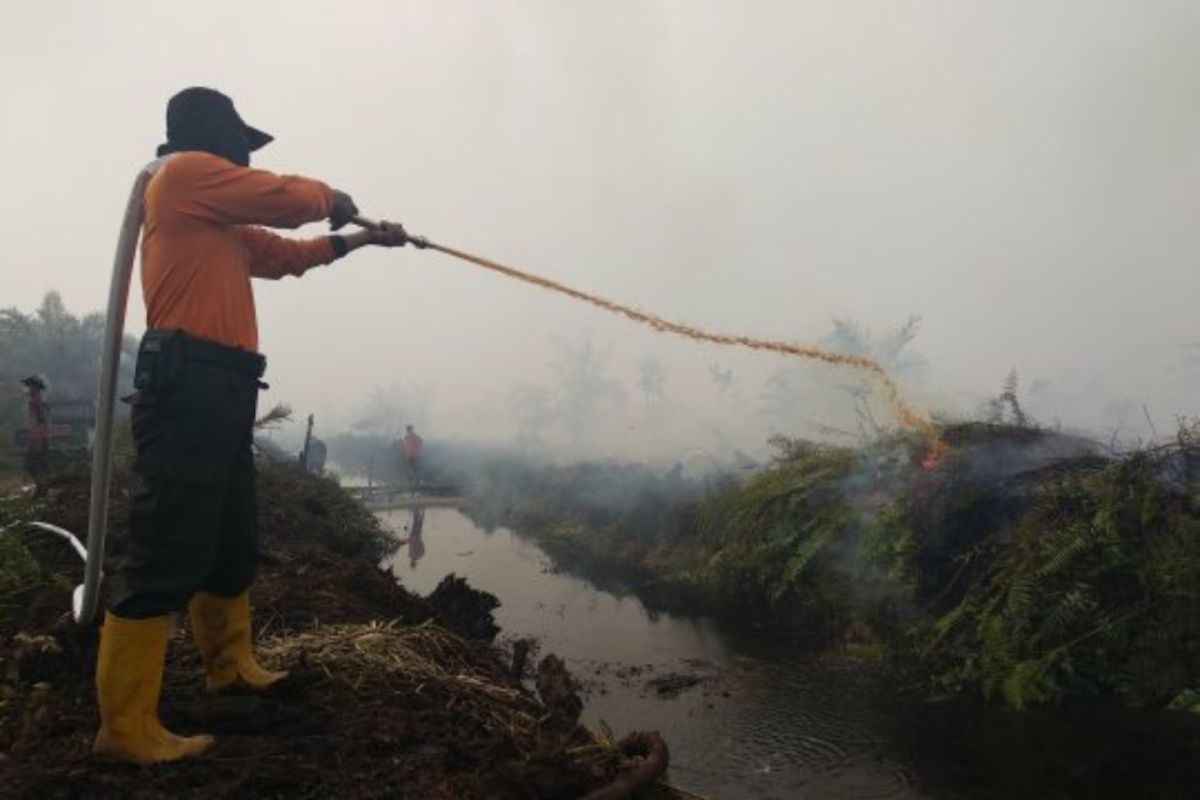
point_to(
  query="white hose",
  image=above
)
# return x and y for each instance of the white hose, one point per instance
(114, 331)
(71, 538)
(77, 595)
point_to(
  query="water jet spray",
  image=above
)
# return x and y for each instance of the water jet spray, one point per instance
(905, 414)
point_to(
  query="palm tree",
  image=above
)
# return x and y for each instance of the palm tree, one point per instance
(722, 378)
(791, 391)
(652, 378)
(584, 391)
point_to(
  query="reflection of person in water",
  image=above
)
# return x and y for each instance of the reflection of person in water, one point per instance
(416, 539)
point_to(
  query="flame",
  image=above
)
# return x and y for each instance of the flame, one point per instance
(934, 455)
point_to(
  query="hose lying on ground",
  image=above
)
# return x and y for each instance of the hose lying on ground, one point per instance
(655, 758)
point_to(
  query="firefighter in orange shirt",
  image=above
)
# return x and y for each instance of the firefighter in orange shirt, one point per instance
(193, 523)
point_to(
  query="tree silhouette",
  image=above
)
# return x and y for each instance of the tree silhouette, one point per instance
(387, 411)
(652, 378)
(790, 392)
(1007, 401)
(584, 392)
(534, 412)
(53, 342)
(722, 378)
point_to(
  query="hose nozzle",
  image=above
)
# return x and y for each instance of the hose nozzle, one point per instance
(419, 242)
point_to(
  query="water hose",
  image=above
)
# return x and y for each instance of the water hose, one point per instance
(652, 750)
(62, 533)
(87, 596)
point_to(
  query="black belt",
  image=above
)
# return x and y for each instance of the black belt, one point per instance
(243, 362)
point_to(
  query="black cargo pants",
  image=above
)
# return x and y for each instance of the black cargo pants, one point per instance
(194, 520)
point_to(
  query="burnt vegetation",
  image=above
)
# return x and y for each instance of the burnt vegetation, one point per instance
(1024, 565)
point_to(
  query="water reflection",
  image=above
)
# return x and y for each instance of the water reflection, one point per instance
(767, 720)
(413, 539)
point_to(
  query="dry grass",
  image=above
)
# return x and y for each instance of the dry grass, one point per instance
(383, 658)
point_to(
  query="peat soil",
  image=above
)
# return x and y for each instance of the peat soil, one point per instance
(390, 694)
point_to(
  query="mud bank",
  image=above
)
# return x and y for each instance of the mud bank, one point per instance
(386, 698)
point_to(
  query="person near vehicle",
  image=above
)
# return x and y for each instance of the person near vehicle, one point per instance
(193, 539)
(37, 455)
(413, 445)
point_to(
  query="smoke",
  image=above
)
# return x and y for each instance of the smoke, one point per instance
(752, 168)
(904, 412)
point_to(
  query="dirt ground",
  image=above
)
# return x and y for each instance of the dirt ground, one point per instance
(384, 700)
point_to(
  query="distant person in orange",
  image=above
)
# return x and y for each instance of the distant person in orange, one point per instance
(413, 445)
(193, 535)
(37, 457)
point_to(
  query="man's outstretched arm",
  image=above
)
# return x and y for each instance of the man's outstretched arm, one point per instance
(273, 256)
(209, 188)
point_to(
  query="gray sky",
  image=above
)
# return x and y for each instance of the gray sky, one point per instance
(1025, 174)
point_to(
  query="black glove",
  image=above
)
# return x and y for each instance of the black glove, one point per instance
(343, 210)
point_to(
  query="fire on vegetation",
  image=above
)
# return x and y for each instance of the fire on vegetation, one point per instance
(1024, 566)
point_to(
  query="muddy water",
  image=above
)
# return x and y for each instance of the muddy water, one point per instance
(747, 717)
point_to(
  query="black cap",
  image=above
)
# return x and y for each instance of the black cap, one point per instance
(34, 382)
(204, 119)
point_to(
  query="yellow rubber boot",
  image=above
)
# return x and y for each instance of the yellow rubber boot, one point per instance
(221, 626)
(129, 672)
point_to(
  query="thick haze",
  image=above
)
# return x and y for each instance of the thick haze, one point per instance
(1024, 174)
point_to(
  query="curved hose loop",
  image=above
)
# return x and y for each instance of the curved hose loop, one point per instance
(65, 534)
(114, 331)
(76, 545)
(655, 759)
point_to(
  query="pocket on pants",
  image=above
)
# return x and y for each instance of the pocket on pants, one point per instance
(186, 434)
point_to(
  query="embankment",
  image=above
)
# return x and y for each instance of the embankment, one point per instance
(1023, 566)
(391, 695)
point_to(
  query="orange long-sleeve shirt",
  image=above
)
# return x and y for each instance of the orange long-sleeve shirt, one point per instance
(200, 246)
